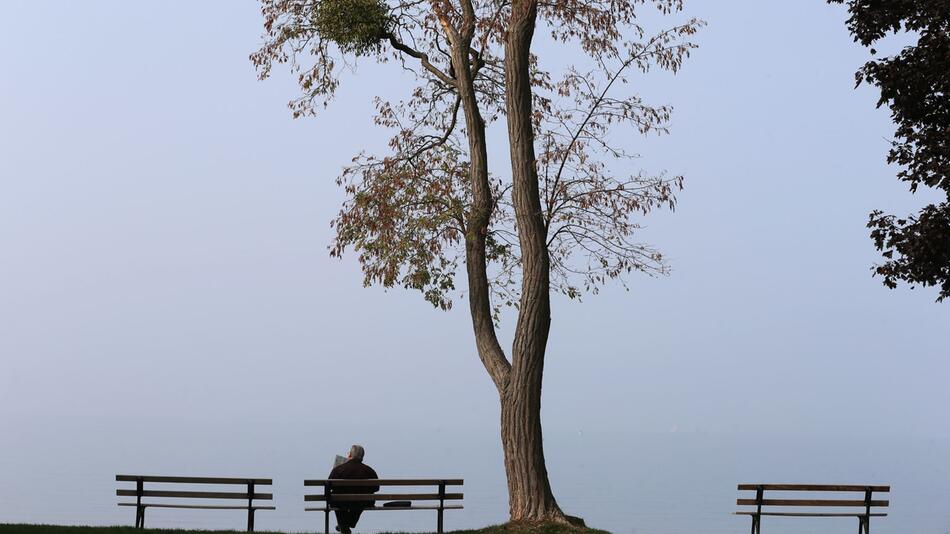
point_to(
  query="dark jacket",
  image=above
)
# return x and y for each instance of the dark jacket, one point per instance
(353, 469)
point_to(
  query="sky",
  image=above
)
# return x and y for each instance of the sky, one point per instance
(167, 300)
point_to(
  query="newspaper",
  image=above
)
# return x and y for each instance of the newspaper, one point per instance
(338, 460)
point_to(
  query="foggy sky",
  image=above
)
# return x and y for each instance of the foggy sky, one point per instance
(163, 253)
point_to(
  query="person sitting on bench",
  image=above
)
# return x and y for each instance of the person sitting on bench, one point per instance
(348, 513)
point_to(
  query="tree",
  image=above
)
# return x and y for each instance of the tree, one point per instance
(915, 84)
(562, 220)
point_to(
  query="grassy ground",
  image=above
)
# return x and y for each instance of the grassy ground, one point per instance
(494, 529)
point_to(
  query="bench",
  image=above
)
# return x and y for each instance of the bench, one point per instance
(813, 501)
(249, 494)
(334, 492)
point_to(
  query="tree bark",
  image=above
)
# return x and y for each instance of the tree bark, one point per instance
(518, 382)
(479, 215)
(529, 491)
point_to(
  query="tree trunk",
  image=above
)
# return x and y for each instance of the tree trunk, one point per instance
(519, 381)
(479, 215)
(529, 491)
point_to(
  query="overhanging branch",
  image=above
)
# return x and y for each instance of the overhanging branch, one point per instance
(424, 59)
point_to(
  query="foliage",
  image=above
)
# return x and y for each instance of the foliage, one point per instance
(356, 26)
(915, 84)
(404, 214)
(407, 212)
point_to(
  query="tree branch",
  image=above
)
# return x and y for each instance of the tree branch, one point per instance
(424, 59)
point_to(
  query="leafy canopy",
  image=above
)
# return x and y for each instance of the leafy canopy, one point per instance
(915, 84)
(356, 26)
(408, 212)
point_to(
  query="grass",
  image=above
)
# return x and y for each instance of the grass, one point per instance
(508, 528)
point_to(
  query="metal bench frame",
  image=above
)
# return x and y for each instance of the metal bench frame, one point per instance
(333, 494)
(864, 518)
(139, 492)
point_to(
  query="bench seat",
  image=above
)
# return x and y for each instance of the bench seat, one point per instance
(336, 493)
(806, 514)
(446, 507)
(817, 496)
(248, 494)
(198, 506)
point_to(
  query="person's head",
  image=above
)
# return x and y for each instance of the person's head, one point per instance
(356, 453)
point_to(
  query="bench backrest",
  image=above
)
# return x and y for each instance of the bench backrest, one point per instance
(248, 492)
(335, 490)
(865, 496)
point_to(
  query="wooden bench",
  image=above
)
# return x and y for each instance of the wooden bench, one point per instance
(248, 494)
(334, 493)
(814, 501)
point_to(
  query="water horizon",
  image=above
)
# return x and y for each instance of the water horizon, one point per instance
(623, 481)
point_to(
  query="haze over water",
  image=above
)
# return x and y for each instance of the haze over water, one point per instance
(664, 483)
(167, 305)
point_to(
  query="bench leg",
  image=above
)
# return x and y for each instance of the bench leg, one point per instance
(757, 524)
(326, 521)
(140, 517)
(439, 525)
(250, 520)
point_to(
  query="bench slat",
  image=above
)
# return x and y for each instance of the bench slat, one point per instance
(809, 502)
(804, 514)
(813, 487)
(384, 497)
(385, 482)
(199, 506)
(380, 508)
(195, 480)
(194, 494)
